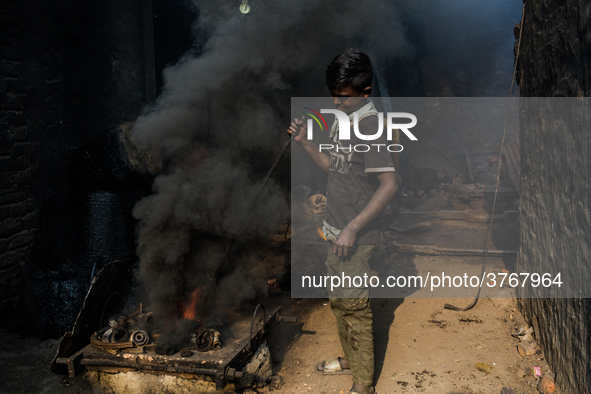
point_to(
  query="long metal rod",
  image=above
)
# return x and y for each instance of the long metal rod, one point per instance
(147, 367)
(436, 250)
(254, 201)
(454, 164)
(272, 169)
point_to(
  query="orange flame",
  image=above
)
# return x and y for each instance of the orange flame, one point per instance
(190, 306)
(321, 233)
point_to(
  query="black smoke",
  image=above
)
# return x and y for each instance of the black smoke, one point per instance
(219, 122)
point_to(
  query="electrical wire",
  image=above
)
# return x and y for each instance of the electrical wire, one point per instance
(473, 303)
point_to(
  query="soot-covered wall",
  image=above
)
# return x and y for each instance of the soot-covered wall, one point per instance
(555, 60)
(70, 71)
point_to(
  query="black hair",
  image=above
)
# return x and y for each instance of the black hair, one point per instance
(350, 68)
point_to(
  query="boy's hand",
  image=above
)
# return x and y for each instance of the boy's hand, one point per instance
(298, 130)
(345, 242)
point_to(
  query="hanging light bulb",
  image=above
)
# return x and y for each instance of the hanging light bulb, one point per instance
(244, 7)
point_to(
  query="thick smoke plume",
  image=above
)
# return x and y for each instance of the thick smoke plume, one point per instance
(221, 119)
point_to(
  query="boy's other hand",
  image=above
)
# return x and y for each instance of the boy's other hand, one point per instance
(298, 130)
(345, 242)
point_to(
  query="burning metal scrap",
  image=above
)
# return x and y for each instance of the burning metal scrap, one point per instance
(140, 338)
(207, 340)
(232, 363)
(133, 333)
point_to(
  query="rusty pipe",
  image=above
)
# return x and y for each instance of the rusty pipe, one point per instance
(147, 367)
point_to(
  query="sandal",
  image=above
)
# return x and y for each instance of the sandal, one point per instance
(332, 367)
(373, 391)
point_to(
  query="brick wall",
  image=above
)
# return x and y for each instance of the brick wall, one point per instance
(18, 213)
(69, 71)
(555, 202)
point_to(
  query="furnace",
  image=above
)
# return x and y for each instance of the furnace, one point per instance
(222, 365)
(231, 352)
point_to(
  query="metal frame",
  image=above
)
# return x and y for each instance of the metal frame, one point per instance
(222, 371)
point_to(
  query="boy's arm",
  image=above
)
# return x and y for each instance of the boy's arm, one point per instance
(299, 133)
(376, 205)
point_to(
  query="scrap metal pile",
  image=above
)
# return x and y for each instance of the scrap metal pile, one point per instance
(137, 333)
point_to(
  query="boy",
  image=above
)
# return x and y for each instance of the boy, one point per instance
(360, 186)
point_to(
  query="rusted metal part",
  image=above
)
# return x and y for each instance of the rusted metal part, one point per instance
(286, 319)
(166, 349)
(140, 338)
(254, 315)
(469, 191)
(436, 250)
(233, 374)
(73, 363)
(467, 216)
(414, 229)
(242, 357)
(108, 345)
(149, 367)
(114, 277)
(220, 366)
(208, 339)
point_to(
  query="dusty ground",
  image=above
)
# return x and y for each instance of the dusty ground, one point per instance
(24, 367)
(420, 346)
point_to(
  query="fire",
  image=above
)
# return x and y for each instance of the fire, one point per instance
(190, 306)
(321, 233)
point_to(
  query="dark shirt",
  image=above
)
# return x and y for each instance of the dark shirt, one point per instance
(352, 179)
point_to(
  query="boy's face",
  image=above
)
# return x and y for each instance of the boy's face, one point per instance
(348, 100)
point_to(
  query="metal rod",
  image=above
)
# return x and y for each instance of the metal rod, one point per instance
(254, 201)
(254, 315)
(148, 367)
(477, 251)
(454, 164)
(272, 169)
(437, 250)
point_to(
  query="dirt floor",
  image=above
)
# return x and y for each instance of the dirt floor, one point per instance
(419, 345)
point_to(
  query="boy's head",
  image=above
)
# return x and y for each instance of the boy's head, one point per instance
(348, 78)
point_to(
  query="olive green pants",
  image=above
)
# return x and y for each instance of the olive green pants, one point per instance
(351, 307)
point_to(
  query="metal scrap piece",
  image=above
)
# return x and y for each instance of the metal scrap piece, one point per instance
(140, 338)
